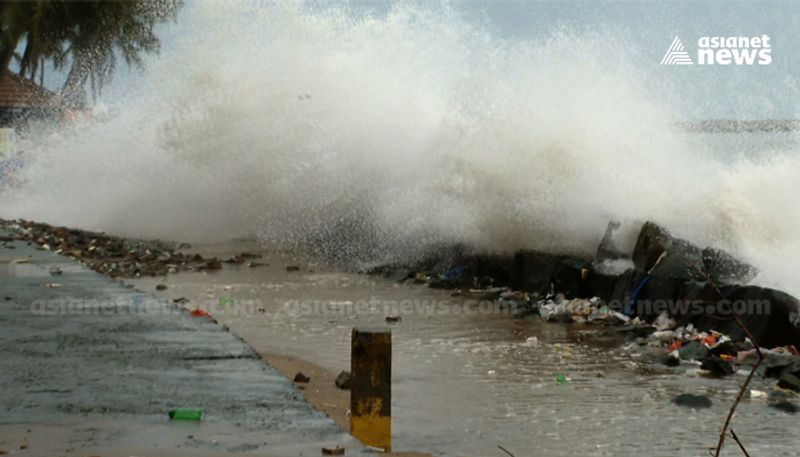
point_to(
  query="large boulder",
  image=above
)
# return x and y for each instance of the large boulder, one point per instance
(537, 271)
(657, 250)
(682, 259)
(607, 249)
(725, 268)
(770, 315)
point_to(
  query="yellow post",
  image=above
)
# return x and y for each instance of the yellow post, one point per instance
(371, 390)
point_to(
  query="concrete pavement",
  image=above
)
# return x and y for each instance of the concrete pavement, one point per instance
(79, 351)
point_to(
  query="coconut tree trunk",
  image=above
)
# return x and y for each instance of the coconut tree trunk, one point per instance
(73, 90)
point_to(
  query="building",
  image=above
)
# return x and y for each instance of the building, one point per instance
(22, 100)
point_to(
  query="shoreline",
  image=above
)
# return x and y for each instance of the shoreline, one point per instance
(321, 392)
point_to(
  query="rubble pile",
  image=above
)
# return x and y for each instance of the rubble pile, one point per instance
(112, 256)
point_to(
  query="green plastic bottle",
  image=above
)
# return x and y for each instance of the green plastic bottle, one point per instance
(186, 414)
(561, 379)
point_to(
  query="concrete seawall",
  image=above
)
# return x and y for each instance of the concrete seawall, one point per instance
(89, 365)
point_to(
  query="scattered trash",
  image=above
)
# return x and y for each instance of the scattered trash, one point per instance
(717, 366)
(197, 312)
(343, 380)
(109, 255)
(214, 264)
(301, 377)
(291, 268)
(55, 271)
(693, 351)
(180, 300)
(51, 285)
(161, 287)
(393, 319)
(758, 394)
(338, 450)
(225, 301)
(186, 414)
(561, 379)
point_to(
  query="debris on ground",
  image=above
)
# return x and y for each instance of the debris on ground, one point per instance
(338, 450)
(197, 312)
(186, 414)
(343, 380)
(301, 377)
(110, 255)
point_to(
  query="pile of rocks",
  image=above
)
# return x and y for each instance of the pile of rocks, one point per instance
(696, 287)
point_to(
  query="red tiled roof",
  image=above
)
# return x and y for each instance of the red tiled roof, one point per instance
(18, 92)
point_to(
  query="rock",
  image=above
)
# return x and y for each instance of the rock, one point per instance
(236, 260)
(790, 380)
(692, 401)
(670, 360)
(607, 250)
(637, 331)
(682, 259)
(725, 268)
(399, 275)
(343, 380)
(725, 348)
(693, 351)
(534, 271)
(214, 264)
(161, 287)
(784, 406)
(770, 315)
(301, 377)
(716, 366)
(652, 242)
(291, 268)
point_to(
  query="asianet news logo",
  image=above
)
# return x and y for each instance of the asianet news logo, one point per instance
(735, 50)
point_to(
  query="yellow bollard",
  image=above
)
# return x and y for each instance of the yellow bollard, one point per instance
(371, 389)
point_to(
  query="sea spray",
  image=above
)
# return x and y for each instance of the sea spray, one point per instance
(365, 135)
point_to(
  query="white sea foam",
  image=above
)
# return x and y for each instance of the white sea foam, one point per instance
(363, 135)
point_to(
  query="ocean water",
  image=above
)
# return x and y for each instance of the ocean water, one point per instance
(361, 136)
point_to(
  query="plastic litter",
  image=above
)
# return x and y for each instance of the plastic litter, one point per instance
(197, 312)
(186, 414)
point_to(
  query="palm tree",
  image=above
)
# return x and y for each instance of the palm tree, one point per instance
(86, 35)
(108, 29)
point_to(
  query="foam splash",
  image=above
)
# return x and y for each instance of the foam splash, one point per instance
(360, 136)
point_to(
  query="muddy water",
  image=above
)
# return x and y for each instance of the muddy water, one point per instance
(468, 376)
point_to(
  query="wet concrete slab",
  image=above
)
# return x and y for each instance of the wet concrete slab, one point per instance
(81, 349)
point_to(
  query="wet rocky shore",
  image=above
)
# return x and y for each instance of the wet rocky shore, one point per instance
(676, 303)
